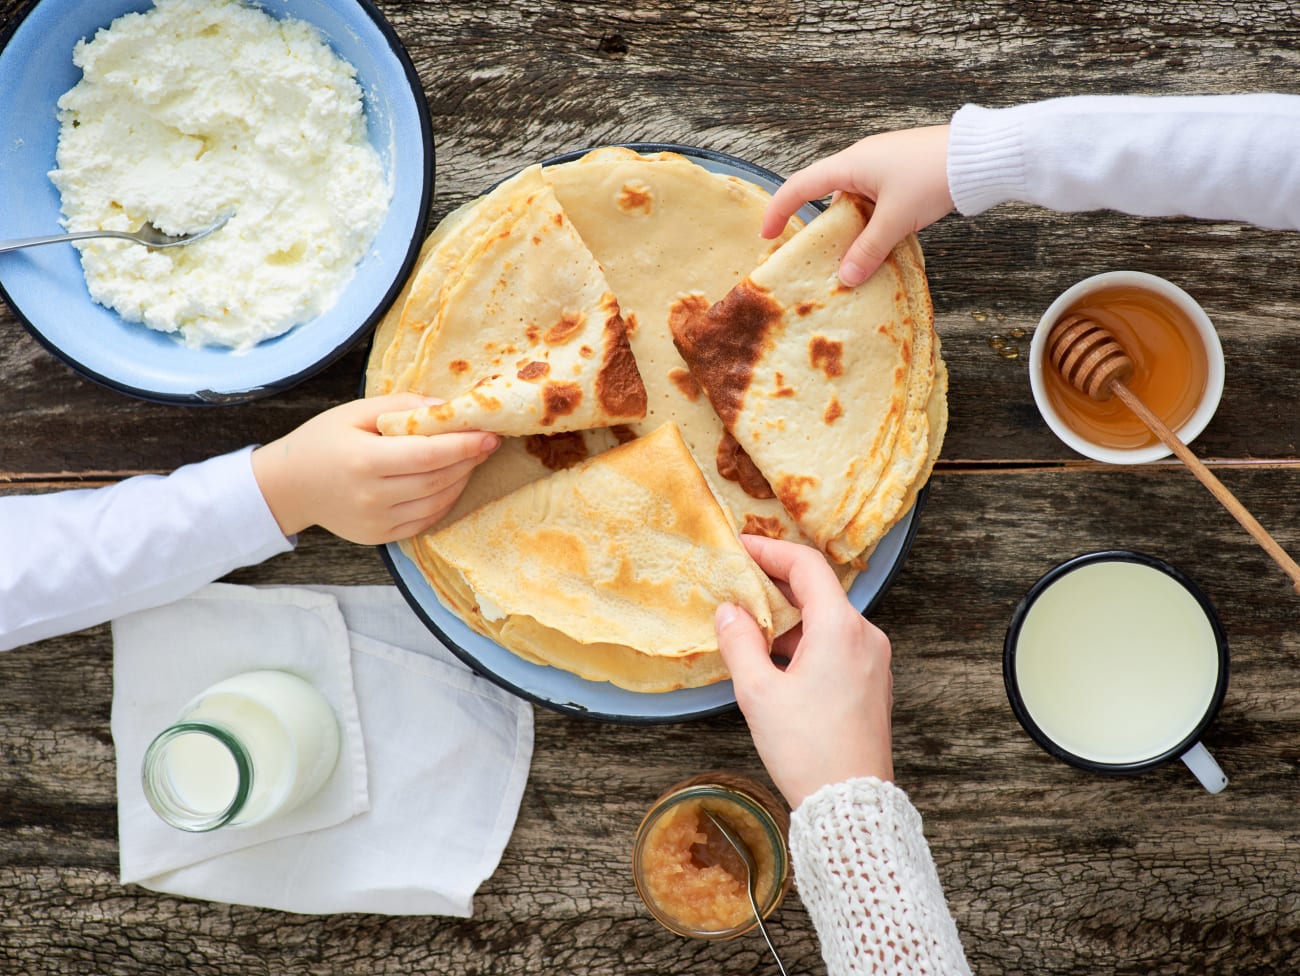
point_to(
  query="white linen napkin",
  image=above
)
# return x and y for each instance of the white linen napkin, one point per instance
(432, 769)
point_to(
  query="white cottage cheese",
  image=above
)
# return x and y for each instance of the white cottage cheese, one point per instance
(198, 108)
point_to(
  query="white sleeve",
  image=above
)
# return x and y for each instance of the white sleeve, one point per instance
(72, 559)
(1220, 157)
(866, 876)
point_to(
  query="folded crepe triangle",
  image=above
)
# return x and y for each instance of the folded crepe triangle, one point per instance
(833, 393)
(611, 569)
(527, 336)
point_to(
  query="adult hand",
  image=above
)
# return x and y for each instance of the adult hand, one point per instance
(337, 471)
(905, 173)
(825, 716)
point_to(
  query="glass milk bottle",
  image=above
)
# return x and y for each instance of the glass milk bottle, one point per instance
(243, 751)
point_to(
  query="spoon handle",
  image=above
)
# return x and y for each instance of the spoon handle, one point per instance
(763, 928)
(1207, 478)
(59, 238)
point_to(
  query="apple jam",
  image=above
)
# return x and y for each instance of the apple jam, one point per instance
(687, 873)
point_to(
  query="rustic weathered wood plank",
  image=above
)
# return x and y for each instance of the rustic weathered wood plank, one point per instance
(509, 84)
(993, 417)
(1048, 870)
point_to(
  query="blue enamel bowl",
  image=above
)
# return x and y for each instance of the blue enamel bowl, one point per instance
(46, 288)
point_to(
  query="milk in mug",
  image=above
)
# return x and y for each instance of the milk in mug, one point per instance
(1117, 662)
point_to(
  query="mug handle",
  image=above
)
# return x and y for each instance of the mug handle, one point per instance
(1203, 766)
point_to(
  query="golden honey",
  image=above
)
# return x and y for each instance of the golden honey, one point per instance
(1170, 367)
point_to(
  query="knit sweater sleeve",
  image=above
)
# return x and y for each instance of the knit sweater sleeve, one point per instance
(866, 876)
(78, 558)
(1219, 157)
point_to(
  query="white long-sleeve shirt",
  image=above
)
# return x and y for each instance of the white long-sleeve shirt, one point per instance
(861, 861)
(1219, 157)
(73, 559)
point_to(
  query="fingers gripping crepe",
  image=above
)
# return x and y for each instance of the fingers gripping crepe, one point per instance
(826, 389)
(528, 337)
(612, 569)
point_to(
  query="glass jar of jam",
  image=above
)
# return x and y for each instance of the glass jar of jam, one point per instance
(686, 872)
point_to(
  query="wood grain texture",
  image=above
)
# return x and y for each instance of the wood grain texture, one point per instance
(1047, 870)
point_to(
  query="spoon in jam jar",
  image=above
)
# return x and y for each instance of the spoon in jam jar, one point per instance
(751, 873)
(1093, 362)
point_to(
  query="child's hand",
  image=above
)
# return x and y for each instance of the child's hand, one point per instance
(825, 717)
(337, 471)
(905, 173)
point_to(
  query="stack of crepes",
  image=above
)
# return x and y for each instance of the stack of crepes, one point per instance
(837, 395)
(609, 301)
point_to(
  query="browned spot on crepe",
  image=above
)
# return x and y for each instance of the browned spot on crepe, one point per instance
(570, 322)
(619, 387)
(826, 355)
(735, 465)
(534, 370)
(635, 196)
(684, 381)
(766, 525)
(724, 344)
(557, 451)
(560, 399)
(790, 491)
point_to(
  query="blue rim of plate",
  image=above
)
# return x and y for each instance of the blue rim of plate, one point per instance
(297, 365)
(565, 692)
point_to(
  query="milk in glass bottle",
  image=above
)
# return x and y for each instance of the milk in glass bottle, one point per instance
(247, 749)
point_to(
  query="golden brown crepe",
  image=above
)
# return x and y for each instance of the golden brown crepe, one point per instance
(827, 390)
(612, 569)
(661, 227)
(397, 339)
(895, 494)
(668, 236)
(526, 335)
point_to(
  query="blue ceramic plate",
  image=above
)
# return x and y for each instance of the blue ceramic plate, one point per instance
(45, 285)
(566, 692)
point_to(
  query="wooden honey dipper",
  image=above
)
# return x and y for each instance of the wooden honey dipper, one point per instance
(1093, 361)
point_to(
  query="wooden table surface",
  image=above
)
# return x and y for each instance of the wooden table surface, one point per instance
(1046, 869)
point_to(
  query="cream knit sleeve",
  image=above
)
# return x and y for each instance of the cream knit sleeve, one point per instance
(865, 873)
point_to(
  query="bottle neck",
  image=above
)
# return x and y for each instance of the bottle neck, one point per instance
(197, 776)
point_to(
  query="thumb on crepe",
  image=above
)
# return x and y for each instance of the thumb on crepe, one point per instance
(743, 647)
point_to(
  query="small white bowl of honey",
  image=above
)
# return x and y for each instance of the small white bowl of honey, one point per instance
(1177, 367)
